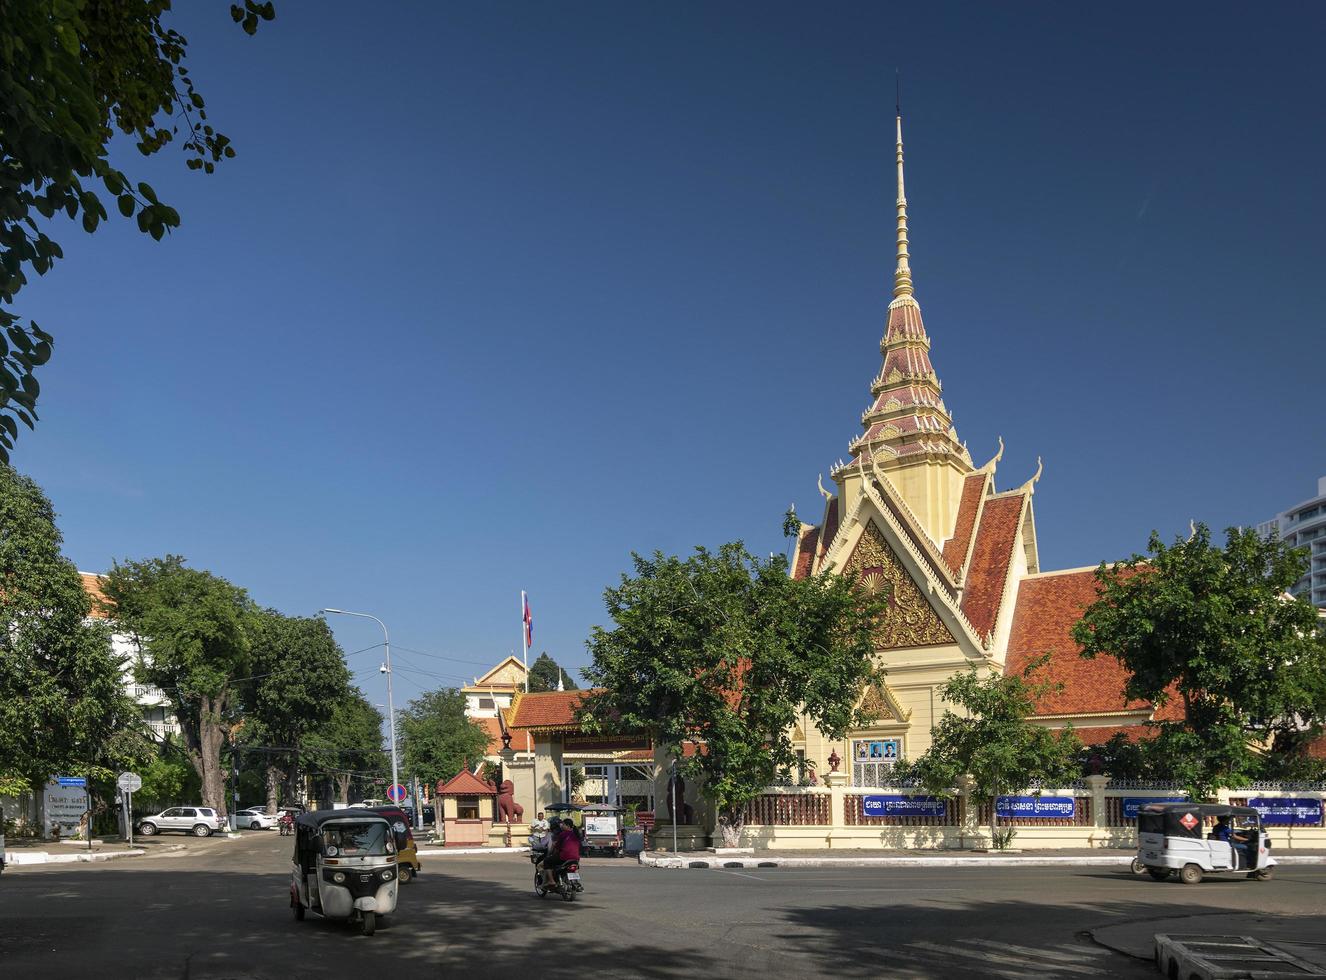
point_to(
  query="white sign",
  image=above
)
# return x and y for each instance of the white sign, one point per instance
(63, 806)
(129, 782)
(601, 826)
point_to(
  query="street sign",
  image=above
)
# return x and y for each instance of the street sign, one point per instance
(129, 782)
(379, 782)
(396, 793)
(68, 781)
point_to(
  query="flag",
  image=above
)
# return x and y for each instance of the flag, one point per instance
(529, 621)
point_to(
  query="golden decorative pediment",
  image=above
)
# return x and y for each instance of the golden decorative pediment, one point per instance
(910, 620)
(879, 703)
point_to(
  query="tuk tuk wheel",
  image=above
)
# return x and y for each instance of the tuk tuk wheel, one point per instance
(404, 872)
(1264, 875)
(1159, 874)
(369, 923)
(1191, 874)
(1137, 867)
(299, 911)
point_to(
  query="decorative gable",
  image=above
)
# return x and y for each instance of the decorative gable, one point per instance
(881, 704)
(911, 620)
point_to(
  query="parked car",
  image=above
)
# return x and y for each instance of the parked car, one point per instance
(201, 821)
(255, 818)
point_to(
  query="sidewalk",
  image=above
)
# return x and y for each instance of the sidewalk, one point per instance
(25, 851)
(1298, 934)
(1082, 857)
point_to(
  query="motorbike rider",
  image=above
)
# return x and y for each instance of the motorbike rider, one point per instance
(564, 849)
(287, 822)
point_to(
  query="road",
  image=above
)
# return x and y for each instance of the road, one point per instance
(219, 910)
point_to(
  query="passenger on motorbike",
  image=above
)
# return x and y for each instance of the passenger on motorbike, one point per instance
(564, 849)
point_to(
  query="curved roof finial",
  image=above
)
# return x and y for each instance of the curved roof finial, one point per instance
(902, 276)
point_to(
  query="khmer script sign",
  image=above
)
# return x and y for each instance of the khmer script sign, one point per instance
(1043, 807)
(1288, 812)
(1131, 804)
(902, 806)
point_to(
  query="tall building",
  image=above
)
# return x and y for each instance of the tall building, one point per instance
(913, 514)
(1304, 526)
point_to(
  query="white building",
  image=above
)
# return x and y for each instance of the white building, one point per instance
(152, 701)
(1304, 526)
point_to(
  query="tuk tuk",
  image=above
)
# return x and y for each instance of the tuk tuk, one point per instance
(603, 827)
(344, 867)
(1192, 839)
(407, 854)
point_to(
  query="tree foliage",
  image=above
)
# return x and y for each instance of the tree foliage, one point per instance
(994, 743)
(72, 73)
(545, 674)
(437, 739)
(347, 748)
(63, 708)
(192, 630)
(727, 651)
(1212, 629)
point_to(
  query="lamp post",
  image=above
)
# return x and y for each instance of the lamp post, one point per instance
(391, 707)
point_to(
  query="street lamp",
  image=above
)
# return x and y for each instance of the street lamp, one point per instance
(391, 708)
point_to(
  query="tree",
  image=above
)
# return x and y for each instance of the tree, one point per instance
(995, 745)
(191, 629)
(438, 740)
(72, 72)
(299, 676)
(63, 707)
(1214, 628)
(725, 650)
(347, 747)
(547, 675)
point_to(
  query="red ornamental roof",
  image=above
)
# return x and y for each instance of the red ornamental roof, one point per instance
(1047, 608)
(546, 711)
(905, 323)
(466, 783)
(92, 586)
(956, 547)
(991, 557)
(806, 546)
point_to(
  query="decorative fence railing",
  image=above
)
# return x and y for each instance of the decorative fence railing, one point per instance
(780, 810)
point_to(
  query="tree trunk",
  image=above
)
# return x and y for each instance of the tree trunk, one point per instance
(210, 737)
(730, 823)
(273, 775)
(343, 788)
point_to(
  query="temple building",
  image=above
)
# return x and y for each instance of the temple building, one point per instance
(913, 514)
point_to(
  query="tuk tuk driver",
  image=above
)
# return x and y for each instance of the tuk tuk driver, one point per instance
(1225, 831)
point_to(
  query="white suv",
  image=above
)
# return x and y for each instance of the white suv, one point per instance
(201, 821)
(255, 818)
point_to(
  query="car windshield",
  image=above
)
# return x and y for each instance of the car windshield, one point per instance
(355, 839)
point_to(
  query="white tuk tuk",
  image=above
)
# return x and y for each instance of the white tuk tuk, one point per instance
(344, 867)
(1192, 839)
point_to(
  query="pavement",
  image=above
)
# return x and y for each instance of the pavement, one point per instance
(220, 909)
(28, 851)
(1068, 857)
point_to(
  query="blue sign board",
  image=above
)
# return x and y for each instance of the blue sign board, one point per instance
(71, 780)
(902, 806)
(1043, 807)
(1287, 812)
(1131, 804)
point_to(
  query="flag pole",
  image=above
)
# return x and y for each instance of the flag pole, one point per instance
(524, 635)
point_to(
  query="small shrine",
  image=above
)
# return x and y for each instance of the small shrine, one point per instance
(469, 809)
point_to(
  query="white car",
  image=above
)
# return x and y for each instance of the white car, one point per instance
(201, 821)
(255, 818)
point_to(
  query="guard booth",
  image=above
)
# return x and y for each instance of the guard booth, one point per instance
(468, 810)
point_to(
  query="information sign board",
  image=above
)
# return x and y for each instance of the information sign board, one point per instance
(80, 781)
(1285, 812)
(1131, 804)
(63, 807)
(1041, 807)
(902, 806)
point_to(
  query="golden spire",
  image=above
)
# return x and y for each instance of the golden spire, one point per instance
(902, 276)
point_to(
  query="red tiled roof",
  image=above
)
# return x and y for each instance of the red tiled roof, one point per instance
(1317, 748)
(546, 711)
(520, 741)
(830, 529)
(92, 586)
(956, 547)
(1098, 734)
(465, 783)
(990, 558)
(805, 559)
(1047, 608)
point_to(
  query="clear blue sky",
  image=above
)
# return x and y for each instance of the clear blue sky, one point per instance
(494, 294)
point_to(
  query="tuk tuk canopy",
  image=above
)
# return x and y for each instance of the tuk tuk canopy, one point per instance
(1188, 819)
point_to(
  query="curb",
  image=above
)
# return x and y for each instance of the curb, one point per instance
(18, 858)
(469, 851)
(685, 862)
(1206, 957)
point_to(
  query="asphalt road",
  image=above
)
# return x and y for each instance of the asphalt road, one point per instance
(220, 910)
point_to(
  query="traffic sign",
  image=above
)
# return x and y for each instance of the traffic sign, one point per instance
(80, 781)
(396, 793)
(379, 782)
(129, 782)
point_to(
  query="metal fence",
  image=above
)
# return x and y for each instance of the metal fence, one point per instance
(788, 810)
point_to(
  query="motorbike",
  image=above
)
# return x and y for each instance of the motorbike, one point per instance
(566, 879)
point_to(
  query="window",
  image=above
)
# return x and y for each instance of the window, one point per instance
(467, 807)
(872, 760)
(487, 703)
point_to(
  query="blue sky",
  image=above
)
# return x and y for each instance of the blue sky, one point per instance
(495, 294)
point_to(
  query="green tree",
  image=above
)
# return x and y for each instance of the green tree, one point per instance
(72, 73)
(63, 707)
(168, 780)
(437, 739)
(347, 748)
(727, 650)
(995, 745)
(299, 676)
(545, 674)
(192, 631)
(1213, 628)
